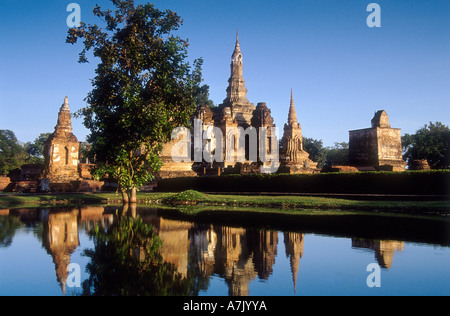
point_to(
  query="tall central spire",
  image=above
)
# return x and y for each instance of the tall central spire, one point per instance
(236, 99)
(64, 124)
(236, 58)
(292, 117)
(237, 48)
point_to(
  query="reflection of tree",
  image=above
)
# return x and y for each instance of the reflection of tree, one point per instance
(126, 261)
(8, 227)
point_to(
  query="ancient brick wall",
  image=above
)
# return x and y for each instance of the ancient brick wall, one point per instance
(4, 182)
(363, 147)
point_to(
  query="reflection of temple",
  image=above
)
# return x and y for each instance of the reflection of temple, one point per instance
(240, 255)
(174, 235)
(60, 239)
(384, 249)
(234, 260)
(293, 243)
(60, 234)
(237, 255)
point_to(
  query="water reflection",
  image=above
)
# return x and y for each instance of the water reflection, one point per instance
(384, 249)
(60, 239)
(142, 251)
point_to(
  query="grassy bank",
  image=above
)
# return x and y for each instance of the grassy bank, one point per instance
(197, 199)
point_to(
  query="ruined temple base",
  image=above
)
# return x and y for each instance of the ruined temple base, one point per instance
(172, 169)
(90, 186)
(396, 167)
(77, 186)
(421, 164)
(342, 169)
(4, 182)
(293, 168)
(348, 168)
(25, 186)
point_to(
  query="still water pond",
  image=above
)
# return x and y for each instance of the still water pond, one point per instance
(112, 251)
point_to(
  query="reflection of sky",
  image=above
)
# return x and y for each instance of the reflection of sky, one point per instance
(27, 269)
(329, 266)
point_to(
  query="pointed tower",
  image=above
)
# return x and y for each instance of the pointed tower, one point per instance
(293, 158)
(241, 108)
(292, 116)
(64, 125)
(61, 149)
(292, 136)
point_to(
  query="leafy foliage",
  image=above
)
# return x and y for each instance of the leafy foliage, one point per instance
(35, 150)
(431, 142)
(316, 151)
(337, 155)
(12, 152)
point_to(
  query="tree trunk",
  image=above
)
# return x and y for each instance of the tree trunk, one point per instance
(133, 198)
(125, 198)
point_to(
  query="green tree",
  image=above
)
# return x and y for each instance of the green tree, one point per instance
(85, 148)
(12, 152)
(35, 150)
(143, 89)
(431, 142)
(337, 155)
(203, 97)
(316, 151)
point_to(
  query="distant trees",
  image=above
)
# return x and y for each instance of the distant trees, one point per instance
(326, 156)
(14, 154)
(431, 142)
(202, 97)
(317, 152)
(35, 150)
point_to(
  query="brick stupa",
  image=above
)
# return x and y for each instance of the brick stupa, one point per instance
(61, 150)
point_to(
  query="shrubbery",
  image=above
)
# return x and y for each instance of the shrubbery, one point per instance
(430, 182)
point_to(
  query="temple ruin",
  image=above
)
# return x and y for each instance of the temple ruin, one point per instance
(294, 159)
(237, 112)
(378, 147)
(375, 148)
(61, 149)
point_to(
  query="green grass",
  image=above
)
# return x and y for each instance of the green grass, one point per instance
(197, 199)
(37, 200)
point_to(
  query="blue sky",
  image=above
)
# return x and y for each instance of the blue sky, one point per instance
(341, 71)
